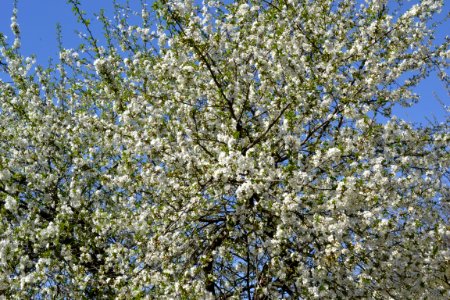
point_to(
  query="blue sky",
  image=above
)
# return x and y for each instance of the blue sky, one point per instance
(38, 21)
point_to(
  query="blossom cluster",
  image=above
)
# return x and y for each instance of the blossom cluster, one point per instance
(227, 150)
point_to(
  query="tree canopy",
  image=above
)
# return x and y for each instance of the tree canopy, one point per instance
(227, 150)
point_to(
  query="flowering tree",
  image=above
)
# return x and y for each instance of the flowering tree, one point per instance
(227, 150)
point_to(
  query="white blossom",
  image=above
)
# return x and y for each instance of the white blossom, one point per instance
(10, 203)
(235, 150)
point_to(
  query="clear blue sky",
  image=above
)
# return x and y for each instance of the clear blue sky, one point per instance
(38, 19)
